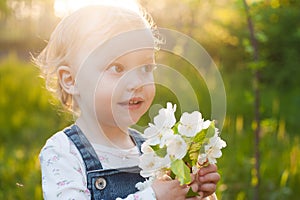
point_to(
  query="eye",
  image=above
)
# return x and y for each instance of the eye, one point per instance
(148, 68)
(116, 68)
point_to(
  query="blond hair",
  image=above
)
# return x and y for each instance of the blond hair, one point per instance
(74, 30)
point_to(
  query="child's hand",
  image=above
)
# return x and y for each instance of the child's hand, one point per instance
(208, 178)
(169, 190)
(205, 183)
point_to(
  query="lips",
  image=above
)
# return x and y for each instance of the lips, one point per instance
(133, 103)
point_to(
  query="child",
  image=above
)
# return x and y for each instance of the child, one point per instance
(100, 61)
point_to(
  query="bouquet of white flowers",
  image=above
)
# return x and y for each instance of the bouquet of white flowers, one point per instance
(177, 148)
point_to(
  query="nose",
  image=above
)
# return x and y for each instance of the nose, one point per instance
(136, 81)
(135, 85)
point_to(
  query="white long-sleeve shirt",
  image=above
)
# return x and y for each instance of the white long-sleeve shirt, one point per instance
(64, 173)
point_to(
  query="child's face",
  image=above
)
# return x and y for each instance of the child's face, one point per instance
(120, 93)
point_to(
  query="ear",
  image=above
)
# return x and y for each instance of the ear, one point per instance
(66, 80)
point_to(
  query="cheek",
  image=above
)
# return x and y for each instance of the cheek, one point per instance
(106, 89)
(150, 89)
(149, 86)
(103, 99)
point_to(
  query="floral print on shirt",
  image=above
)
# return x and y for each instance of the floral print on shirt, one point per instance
(63, 172)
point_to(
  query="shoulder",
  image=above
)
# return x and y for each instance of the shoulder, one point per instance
(63, 170)
(58, 141)
(58, 147)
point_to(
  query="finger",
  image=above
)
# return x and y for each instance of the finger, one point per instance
(194, 186)
(208, 169)
(193, 178)
(208, 188)
(176, 183)
(210, 178)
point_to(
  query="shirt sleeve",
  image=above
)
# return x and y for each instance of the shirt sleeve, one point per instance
(62, 170)
(146, 194)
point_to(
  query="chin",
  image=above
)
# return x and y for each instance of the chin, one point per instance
(126, 122)
(134, 120)
(136, 116)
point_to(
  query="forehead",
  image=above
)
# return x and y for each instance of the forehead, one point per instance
(140, 56)
(127, 45)
(117, 29)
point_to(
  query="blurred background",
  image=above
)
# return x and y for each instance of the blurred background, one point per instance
(254, 43)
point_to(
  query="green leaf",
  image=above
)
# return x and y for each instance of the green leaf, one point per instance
(187, 160)
(182, 172)
(194, 152)
(196, 146)
(199, 137)
(191, 193)
(211, 130)
(172, 175)
(175, 128)
(161, 152)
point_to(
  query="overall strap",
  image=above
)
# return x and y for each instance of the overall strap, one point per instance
(85, 148)
(137, 137)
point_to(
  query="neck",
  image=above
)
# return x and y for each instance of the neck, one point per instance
(106, 135)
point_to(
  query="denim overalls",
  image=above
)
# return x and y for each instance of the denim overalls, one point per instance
(105, 183)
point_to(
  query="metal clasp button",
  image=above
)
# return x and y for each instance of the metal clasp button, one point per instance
(100, 183)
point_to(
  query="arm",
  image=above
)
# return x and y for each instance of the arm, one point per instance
(62, 170)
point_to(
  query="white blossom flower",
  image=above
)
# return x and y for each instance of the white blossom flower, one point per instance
(202, 158)
(206, 124)
(161, 138)
(165, 119)
(161, 173)
(217, 132)
(163, 123)
(166, 144)
(195, 169)
(212, 151)
(147, 164)
(143, 185)
(165, 137)
(191, 124)
(176, 147)
(151, 131)
(145, 148)
(150, 164)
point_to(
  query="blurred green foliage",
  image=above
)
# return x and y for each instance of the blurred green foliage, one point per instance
(29, 114)
(27, 119)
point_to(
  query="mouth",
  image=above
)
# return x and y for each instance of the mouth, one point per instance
(133, 103)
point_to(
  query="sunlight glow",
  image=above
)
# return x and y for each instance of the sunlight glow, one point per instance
(65, 7)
